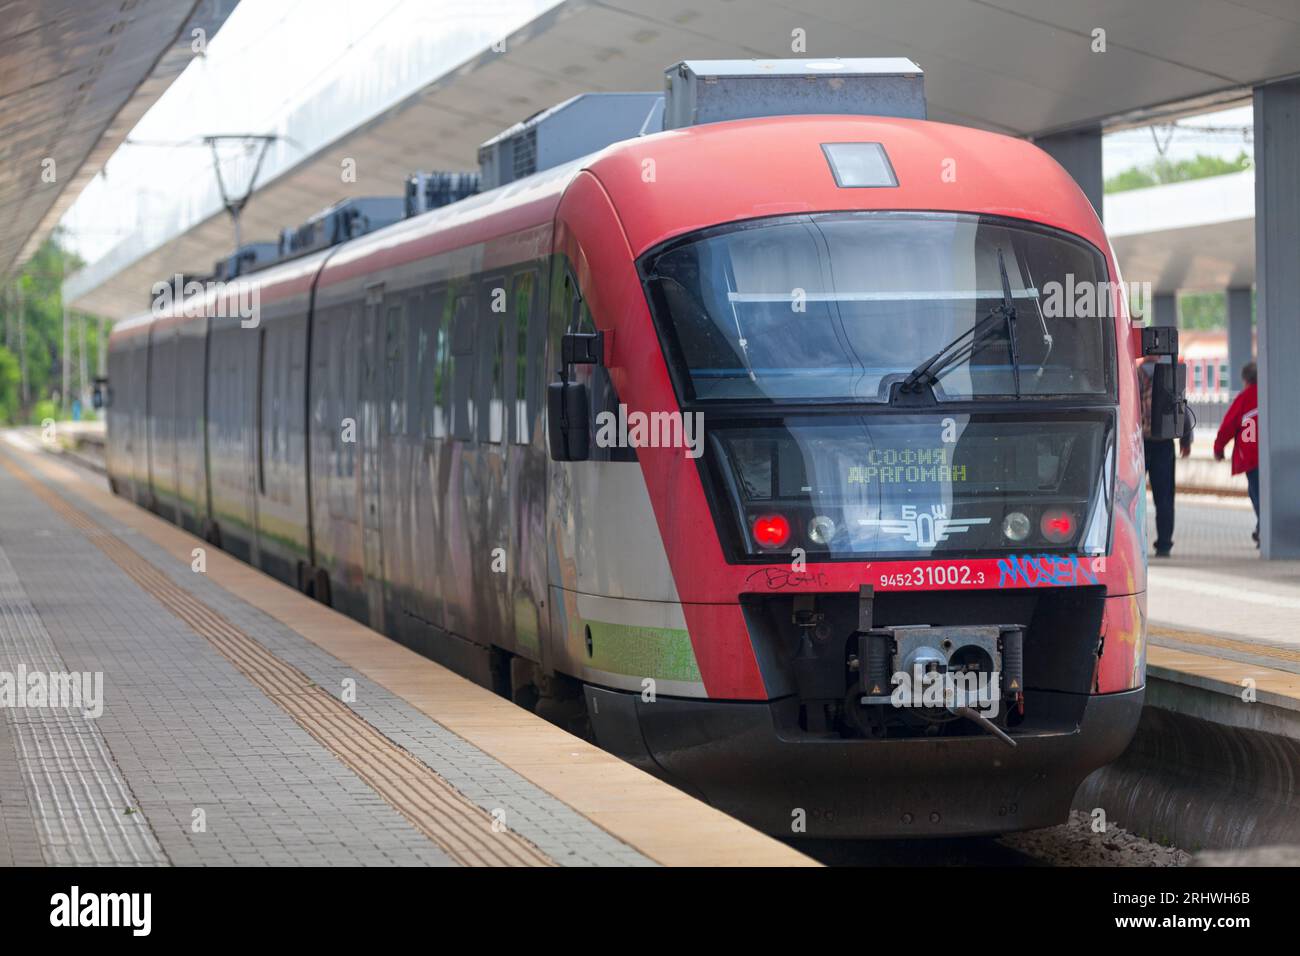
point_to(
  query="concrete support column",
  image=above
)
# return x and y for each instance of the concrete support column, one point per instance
(1241, 345)
(1079, 151)
(1164, 309)
(1277, 286)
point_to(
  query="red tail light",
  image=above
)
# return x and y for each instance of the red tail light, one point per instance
(1057, 525)
(771, 531)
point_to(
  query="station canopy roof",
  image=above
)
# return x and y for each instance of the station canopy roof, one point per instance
(75, 77)
(1023, 67)
(1194, 236)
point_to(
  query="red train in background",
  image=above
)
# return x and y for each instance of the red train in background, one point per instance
(744, 446)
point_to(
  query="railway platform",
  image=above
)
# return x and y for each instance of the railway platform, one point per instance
(1213, 762)
(1215, 610)
(157, 714)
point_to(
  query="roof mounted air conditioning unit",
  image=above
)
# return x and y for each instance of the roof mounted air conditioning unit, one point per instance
(576, 128)
(342, 221)
(712, 91)
(425, 191)
(245, 259)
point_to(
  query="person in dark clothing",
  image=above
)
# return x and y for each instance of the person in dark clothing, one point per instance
(1160, 465)
(1241, 428)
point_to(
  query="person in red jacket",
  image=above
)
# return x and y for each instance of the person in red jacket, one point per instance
(1241, 427)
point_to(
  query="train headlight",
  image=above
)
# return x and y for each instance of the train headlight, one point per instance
(1016, 526)
(1058, 525)
(821, 530)
(771, 531)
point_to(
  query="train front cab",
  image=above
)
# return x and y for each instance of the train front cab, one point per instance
(991, 505)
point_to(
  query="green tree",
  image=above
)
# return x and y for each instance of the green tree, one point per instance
(31, 329)
(1176, 171)
(10, 383)
(1202, 310)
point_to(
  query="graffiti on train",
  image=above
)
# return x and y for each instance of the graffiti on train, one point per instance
(1047, 570)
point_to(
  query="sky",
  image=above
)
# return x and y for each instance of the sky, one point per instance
(1138, 147)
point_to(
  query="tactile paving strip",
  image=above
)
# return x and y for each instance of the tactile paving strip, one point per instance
(462, 829)
(1257, 648)
(84, 810)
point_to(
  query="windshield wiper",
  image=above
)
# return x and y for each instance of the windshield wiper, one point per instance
(1009, 310)
(959, 350)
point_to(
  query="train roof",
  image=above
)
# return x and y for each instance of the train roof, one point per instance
(725, 172)
(670, 183)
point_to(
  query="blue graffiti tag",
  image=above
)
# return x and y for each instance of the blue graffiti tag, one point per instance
(1043, 570)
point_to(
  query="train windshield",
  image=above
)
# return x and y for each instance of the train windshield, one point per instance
(918, 486)
(840, 307)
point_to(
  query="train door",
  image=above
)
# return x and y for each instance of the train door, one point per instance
(455, 493)
(525, 339)
(369, 428)
(568, 523)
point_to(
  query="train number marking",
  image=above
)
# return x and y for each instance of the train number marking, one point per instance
(934, 575)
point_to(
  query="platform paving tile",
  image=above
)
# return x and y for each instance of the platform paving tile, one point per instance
(555, 828)
(74, 793)
(19, 843)
(185, 729)
(559, 831)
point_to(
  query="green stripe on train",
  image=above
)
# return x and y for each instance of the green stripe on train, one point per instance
(664, 653)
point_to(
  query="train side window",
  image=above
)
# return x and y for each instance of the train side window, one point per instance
(492, 309)
(442, 368)
(496, 409)
(525, 289)
(280, 411)
(411, 395)
(352, 394)
(585, 323)
(433, 353)
(537, 376)
(461, 368)
(261, 410)
(394, 367)
(577, 317)
(418, 411)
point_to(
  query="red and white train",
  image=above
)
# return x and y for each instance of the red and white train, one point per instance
(693, 443)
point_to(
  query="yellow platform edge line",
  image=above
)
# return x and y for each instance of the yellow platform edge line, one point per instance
(1232, 672)
(1290, 655)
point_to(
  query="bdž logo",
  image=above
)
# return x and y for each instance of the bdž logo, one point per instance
(922, 529)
